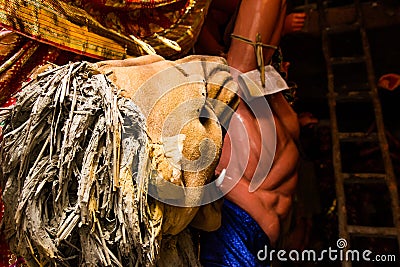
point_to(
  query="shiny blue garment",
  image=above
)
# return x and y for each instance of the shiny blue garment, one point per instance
(236, 243)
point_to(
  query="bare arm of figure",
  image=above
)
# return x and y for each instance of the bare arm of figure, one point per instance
(256, 16)
(271, 202)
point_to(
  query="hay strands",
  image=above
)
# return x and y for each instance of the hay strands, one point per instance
(73, 153)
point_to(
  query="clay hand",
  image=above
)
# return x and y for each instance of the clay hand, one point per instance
(294, 22)
(389, 81)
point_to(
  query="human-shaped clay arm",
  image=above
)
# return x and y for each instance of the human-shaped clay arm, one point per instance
(271, 200)
(265, 17)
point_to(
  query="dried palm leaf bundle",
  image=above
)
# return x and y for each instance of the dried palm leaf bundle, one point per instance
(70, 190)
(84, 145)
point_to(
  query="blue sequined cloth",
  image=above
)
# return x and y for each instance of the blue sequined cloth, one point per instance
(236, 243)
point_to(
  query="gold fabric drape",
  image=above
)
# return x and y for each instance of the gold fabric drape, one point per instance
(72, 28)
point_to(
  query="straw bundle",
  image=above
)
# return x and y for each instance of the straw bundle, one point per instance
(74, 192)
